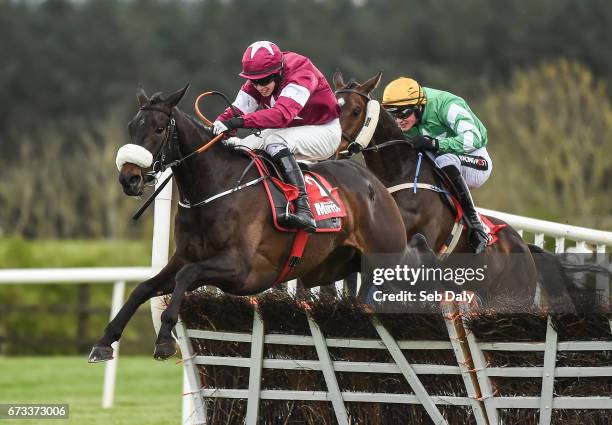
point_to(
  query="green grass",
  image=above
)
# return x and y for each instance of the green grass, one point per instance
(147, 392)
(22, 253)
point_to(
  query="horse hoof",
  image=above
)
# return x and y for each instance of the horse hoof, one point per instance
(164, 351)
(100, 353)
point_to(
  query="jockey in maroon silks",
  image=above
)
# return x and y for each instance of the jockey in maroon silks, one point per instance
(288, 97)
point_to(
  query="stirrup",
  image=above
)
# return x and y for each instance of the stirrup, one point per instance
(482, 239)
(291, 220)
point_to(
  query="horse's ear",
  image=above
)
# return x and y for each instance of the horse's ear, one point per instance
(176, 97)
(141, 96)
(372, 83)
(338, 80)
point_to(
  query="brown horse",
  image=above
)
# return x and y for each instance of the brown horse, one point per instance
(232, 243)
(510, 266)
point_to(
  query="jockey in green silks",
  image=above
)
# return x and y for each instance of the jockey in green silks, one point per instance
(443, 123)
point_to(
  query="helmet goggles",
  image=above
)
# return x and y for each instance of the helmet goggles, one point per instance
(264, 81)
(401, 112)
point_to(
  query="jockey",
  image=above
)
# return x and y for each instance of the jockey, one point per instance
(288, 97)
(443, 123)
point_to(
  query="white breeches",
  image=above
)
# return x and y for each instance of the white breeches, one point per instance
(473, 170)
(308, 142)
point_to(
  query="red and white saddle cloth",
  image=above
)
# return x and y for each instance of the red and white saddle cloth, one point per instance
(325, 203)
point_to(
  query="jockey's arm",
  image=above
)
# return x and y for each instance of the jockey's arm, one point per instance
(279, 116)
(468, 137)
(246, 101)
(291, 101)
(465, 142)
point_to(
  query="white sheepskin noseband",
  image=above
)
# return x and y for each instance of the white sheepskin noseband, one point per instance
(134, 154)
(369, 125)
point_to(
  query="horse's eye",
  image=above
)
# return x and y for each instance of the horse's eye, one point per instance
(356, 111)
(159, 130)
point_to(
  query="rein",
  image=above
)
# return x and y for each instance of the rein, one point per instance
(393, 142)
(239, 186)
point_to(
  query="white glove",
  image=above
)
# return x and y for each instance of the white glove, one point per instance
(218, 127)
(232, 141)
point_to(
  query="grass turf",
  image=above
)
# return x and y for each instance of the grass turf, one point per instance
(147, 391)
(23, 253)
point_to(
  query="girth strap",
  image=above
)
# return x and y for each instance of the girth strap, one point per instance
(297, 250)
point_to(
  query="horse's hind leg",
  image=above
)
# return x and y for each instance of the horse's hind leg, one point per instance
(160, 284)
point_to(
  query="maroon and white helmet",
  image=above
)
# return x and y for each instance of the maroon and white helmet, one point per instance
(261, 59)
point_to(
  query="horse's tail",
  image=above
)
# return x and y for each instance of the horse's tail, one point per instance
(558, 276)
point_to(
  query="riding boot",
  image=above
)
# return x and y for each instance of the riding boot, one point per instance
(477, 235)
(302, 218)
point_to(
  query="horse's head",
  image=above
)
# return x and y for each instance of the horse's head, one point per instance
(359, 111)
(151, 132)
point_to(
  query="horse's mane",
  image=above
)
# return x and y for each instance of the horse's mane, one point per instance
(199, 125)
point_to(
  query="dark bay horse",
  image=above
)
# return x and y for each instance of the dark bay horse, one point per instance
(232, 243)
(510, 267)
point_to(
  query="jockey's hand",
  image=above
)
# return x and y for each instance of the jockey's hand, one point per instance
(232, 142)
(218, 127)
(424, 142)
(228, 125)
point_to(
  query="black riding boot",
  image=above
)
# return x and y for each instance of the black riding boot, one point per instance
(477, 235)
(302, 218)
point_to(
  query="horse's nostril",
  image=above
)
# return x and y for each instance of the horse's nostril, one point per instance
(134, 180)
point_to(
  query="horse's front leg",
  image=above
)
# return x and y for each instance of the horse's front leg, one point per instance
(214, 271)
(160, 284)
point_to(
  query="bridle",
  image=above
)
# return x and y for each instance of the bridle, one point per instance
(169, 144)
(170, 147)
(345, 135)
